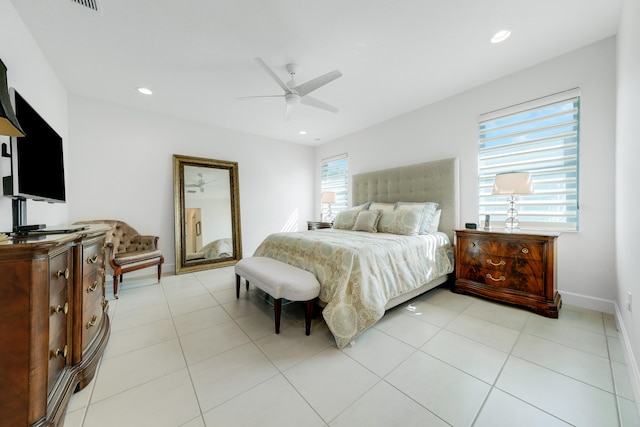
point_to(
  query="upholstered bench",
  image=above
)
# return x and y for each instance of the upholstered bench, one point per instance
(279, 280)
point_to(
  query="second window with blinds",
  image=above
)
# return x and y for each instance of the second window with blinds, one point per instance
(335, 179)
(541, 137)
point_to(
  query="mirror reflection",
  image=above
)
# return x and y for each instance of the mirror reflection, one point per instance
(207, 213)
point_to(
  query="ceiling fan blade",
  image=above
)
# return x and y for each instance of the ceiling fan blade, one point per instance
(273, 75)
(242, 98)
(313, 102)
(287, 111)
(314, 84)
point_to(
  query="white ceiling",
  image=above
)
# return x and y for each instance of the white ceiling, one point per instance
(395, 55)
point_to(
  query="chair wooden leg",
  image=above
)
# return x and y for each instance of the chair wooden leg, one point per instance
(277, 309)
(159, 272)
(115, 286)
(308, 315)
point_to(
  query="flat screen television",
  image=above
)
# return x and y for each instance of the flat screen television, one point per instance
(37, 165)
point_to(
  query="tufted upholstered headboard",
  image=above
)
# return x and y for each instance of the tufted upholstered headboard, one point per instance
(435, 181)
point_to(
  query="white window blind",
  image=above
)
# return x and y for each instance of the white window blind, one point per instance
(540, 137)
(335, 177)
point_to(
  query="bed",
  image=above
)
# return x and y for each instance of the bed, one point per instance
(363, 273)
(221, 248)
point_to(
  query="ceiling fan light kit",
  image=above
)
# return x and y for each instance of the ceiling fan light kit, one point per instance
(294, 93)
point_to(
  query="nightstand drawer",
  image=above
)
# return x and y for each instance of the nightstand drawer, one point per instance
(515, 273)
(473, 247)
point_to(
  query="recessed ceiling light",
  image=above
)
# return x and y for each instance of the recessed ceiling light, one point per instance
(144, 91)
(303, 132)
(500, 36)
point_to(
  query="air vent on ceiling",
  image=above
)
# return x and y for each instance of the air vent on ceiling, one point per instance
(91, 4)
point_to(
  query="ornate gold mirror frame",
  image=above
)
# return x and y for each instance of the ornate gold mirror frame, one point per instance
(206, 212)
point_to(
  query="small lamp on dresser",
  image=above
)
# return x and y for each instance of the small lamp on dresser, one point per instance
(328, 197)
(512, 184)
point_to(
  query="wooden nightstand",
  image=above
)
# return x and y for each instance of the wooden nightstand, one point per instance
(317, 225)
(517, 268)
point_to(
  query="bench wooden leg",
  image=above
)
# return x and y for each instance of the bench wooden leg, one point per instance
(237, 286)
(277, 309)
(308, 315)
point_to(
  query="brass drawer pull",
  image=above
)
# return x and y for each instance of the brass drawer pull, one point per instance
(93, 259)
(61, 308)
(91, 324)
(93, 287)
(525, 250)
(472, 244)
(64, 273)
(500, 279)
(61, 352)
(495, 264)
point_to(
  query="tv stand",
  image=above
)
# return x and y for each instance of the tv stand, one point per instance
(24, 229)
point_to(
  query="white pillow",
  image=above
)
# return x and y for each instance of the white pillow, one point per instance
(435, 221)
(382, 206)
(345, 219)
(367, 221)
(427, 209)
(401, 221)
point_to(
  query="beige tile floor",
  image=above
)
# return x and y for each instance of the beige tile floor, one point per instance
(187, 353)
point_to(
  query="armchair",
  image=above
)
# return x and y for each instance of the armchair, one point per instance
(128, 250)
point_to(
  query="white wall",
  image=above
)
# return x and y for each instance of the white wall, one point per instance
(121, 168)
(30, 73)
(448, 128)
(627, 193)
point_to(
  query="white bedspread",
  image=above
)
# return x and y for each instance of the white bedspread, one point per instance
(359, 272)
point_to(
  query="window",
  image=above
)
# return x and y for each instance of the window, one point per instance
(335, 177)
(541, 137)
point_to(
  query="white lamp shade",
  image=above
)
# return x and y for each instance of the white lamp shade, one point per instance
(328, 197)
(513, 183)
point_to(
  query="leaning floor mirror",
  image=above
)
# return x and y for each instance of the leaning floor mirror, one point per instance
(207, 213)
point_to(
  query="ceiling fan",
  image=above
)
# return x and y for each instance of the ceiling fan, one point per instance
(295, 93)
(199, 184)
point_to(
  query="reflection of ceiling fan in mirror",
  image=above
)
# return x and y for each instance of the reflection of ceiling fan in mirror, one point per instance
(295, 93)
(200, 183)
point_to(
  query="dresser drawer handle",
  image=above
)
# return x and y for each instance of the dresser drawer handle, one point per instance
(61, 352)
(91, 324)
(495, 264)
(472, 244)
(64, 273)
(525, 250)
(93, 259)
(93, 287)
(61, 309)
(500, 279)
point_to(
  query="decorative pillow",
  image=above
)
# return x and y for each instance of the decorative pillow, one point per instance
(382, 206)
(361, 207)
(427, 208)
(345, 219)
(401, 221)
(435, 221)
(367, 221)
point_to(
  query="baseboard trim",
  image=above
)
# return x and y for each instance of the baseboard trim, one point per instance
(630, 359)
(585, 301)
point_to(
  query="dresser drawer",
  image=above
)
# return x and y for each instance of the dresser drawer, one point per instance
(59, 350)
(512, 273)
(474, 247)
(91, 319)
(93, 258)
(60, 271)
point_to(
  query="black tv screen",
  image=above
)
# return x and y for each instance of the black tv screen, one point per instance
(37, 165)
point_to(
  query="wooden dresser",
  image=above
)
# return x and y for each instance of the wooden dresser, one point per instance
(512, 267)
(54, 324)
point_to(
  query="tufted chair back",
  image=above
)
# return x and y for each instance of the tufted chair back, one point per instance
(129, 250)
